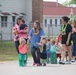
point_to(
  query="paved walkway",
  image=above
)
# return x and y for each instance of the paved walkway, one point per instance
(12, 68)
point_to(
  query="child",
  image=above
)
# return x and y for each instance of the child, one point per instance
(22, 52)
(48, 50)
(23, 25)
(58, 47)
(58, 52)
(43, 51)
(53, 52)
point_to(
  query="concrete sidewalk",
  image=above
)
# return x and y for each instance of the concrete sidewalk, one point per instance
(12, 68)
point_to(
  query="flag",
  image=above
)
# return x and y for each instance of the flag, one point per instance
(71, 15)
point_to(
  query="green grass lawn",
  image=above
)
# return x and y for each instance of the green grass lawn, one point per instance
(8, 51)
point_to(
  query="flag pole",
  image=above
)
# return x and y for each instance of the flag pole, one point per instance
(56, 2)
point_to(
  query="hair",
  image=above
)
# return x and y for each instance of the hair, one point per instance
(48, 40)
(38, 25)
(23, 21)
(19, 18)
(53, 41)
(21, 40)
(65, 18)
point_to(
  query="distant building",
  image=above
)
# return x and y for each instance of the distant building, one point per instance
(10, 10)
(52, 13)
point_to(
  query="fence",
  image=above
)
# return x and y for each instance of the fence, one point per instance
(6, 30)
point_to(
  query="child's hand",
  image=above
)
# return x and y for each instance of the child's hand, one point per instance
(38, 43)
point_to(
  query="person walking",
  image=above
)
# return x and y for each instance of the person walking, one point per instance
(36, 34)
(66, 39)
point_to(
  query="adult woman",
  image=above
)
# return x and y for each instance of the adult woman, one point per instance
(16, 36)
(74, 41)
(66, 39)
(19, 33)
(36, 35)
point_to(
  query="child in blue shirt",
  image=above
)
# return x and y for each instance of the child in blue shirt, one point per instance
(53, 52)
(48, 51)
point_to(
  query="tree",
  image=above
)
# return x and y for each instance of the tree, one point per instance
(66, 3)
(72, 2)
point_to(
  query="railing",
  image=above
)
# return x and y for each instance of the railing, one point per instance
(49, 30)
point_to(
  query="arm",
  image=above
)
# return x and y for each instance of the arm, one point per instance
(74, 29)
(41, 35)
(14, 31)
(30, 34)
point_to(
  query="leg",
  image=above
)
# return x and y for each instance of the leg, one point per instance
(69, 52)
(16, 45)
(44, 62)
(33, 50)
(63, 52)
(38, 57)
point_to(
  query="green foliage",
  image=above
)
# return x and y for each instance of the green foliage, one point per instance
(66, 3)
(72, 2)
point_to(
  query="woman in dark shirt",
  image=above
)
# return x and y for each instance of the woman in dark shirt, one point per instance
(66, 39)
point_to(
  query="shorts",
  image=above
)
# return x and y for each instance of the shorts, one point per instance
(43, 55)
(58, 55)
(64, 40)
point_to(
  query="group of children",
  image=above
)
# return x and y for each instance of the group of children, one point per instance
(50, 51)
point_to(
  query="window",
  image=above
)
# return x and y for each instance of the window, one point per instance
(3, 21)
(55, 21)
(45, 22)
(13, 20)
(50, 22)
(60, 21)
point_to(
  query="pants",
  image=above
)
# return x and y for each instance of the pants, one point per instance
(74, 49)
(48, 54)
(36, 58)
(53, 57)
(16, 45)
(22, 58)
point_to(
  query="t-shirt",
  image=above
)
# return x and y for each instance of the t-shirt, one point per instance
(48, 46)
(22, 49)
(44, 48)
(68, 30)
(21, 29)
(53, 48)
(74, 38)
(36, 38)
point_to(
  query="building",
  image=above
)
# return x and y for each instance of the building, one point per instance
(52, 13)
(10, 10)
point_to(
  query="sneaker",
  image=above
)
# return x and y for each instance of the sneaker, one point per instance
(72, 60)
(68, 62)
(39, 64)
(61, 62)
(44, 64)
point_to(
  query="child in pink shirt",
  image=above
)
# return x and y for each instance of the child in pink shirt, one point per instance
(22, 56)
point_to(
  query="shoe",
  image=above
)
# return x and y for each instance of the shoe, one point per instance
(39, 64)
(61, 62)
(44, 64)
(72, 60)
(34, 64)
(68, 62)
